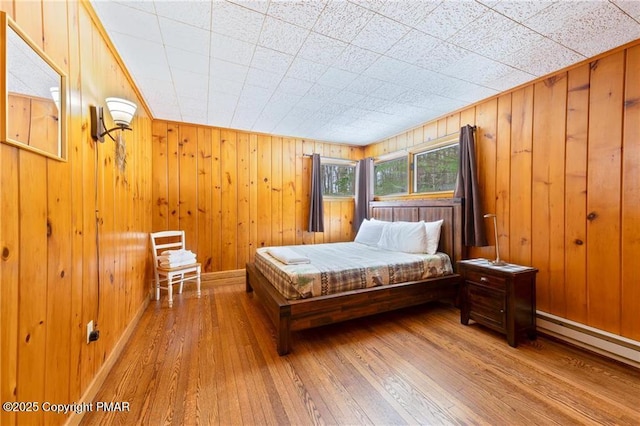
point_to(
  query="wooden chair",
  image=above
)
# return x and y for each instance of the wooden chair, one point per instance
(171, 240)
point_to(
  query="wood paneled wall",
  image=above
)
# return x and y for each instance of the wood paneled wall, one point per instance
(559, 163)
(233, 191)
(60, 267)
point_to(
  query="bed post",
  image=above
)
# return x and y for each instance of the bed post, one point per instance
(284, 332)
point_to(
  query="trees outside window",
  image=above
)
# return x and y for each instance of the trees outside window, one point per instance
(391, 176)
(338, 180)
(437, 169)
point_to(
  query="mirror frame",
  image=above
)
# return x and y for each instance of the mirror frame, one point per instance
(7, 23)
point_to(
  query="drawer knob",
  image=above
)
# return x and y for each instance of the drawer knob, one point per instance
(484, 279)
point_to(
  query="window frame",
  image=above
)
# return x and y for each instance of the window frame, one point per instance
(434, 145)
(328, 161)
(390, 157)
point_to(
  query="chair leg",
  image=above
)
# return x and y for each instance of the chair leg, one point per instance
(181, 283)
(157, 288)
(170, 289)
(198, 281)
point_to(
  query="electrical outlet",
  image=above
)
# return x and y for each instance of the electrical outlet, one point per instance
(89, 331)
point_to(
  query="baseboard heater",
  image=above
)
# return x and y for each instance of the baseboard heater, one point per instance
(607, 344)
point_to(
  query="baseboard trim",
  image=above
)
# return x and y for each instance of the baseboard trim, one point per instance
(98, 380)
(599, 341)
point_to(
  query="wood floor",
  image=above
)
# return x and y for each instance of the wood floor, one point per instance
(213, 361)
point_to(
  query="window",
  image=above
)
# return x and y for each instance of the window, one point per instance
(338, 180)
(436, 169)
(390, 176)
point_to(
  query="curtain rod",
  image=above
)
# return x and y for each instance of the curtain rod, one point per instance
(332, 158)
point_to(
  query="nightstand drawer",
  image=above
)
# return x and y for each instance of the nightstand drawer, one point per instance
(486, 280)
(488, 306)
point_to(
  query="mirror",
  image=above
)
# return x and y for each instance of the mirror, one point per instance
(35, 94)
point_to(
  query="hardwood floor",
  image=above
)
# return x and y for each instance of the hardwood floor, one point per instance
(213, 361)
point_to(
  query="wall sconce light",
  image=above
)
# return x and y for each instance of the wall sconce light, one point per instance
(55, 95)
(122, 112)
(498, 261)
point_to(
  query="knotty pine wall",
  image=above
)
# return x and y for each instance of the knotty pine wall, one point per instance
(234, 191)
(559, 163)
(49, 258)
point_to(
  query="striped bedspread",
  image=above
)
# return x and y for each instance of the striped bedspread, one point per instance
(339, 267)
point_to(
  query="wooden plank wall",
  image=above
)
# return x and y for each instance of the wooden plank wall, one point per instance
(234, 191)
(559, 162)
(49, 256)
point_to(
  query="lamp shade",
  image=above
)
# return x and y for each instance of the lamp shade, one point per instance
(121, 111)
(55, 94)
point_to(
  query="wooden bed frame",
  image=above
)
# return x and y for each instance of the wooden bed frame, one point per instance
(290, 315)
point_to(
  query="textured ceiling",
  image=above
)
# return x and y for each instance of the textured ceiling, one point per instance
(353, 71)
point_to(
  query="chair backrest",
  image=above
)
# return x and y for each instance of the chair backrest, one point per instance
(166, 240)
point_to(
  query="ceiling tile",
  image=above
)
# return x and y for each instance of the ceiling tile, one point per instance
(386, 68)
(538, 60)
(358, 70)
(346, 97)
(407, 12)
(180, 59)
(143, 58)
(321, 92)
(227, 70)
(632, 7)
(145, 6)
(321, 49)
(221, 108)
(364, 85)
(413, 47)
(301, 13)
(355, 59)
(306, 70)
(594, 30)
(521, 10)
(342, 20)
(294, 86)
(236, 21)
(229, 87)
(380, 34)
(230, 49)
(185, 37)
(271, 60)
(389, 91)
(442, 56)
(282, 36)
(337, 78)
(125, 20)
(449, 17)
(193, 110)
(257, 5)
(190, 84)
(494, 35)
(195, 13)
(264, 79)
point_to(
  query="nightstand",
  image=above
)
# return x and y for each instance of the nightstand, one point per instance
(502, 298)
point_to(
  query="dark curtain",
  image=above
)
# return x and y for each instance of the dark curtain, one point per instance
(316, 209)
(364, 191)
(467, 188)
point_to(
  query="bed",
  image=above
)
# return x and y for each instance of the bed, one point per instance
(303, 313)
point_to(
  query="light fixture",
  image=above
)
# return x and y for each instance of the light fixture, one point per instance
(122, 112)
(55, 95)
(498, 261)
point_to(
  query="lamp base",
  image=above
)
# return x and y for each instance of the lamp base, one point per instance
(497, 262)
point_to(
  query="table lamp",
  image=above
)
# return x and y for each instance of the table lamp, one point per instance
(498, 261)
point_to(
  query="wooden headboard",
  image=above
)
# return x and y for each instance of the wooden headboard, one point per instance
(429, 210)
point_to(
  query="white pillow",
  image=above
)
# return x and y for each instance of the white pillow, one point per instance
(369, 232)
(409, 237)
(433, 235)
